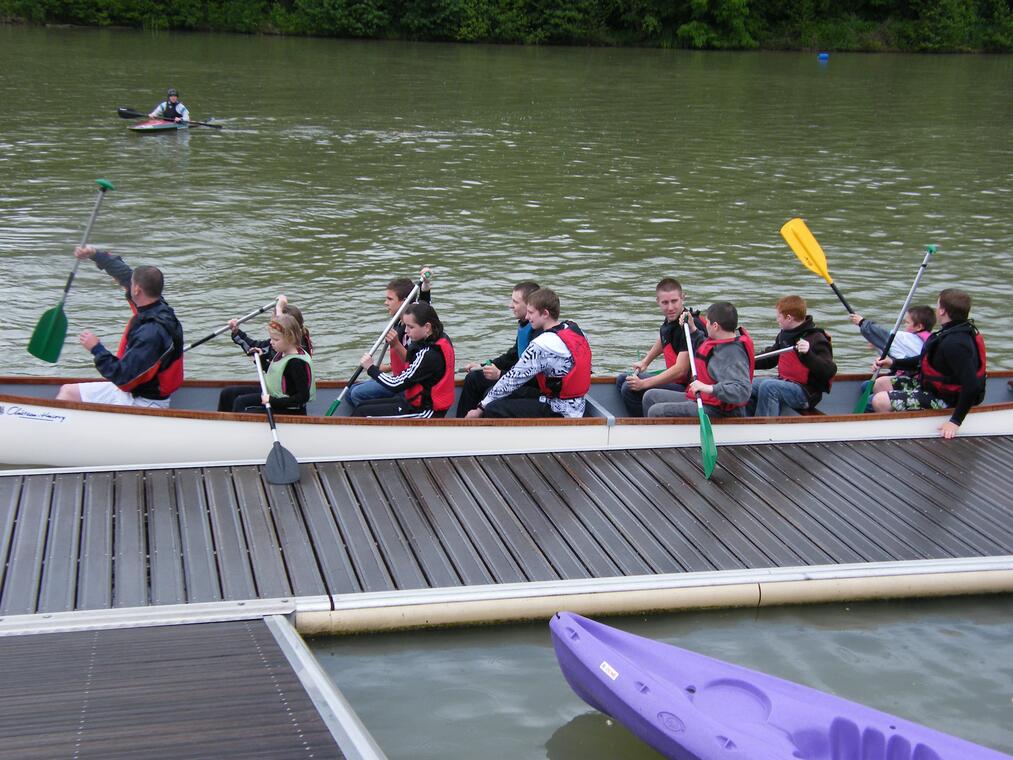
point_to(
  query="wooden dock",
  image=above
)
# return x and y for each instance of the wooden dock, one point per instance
(100, 570)
(226, 689)
(98, 540)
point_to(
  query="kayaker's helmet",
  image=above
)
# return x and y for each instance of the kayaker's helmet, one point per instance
(172, 92)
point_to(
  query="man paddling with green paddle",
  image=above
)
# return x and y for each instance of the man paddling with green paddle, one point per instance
(148, 365)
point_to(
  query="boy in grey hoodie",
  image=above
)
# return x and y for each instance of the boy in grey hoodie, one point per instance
(724, 368)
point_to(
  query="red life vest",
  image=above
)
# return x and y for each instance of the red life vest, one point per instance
(441, 394)
(397, 364)
(670, 355)
(790, 366)
(702, 357)
(576, 382)
(165, 376)
(946, 386)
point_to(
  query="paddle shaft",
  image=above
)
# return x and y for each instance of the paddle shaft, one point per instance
(263, 389)
(708, 449)
(692, 364)
(84, 241)
(376, 344)
(768, 354)
(843, 299)
(907, 302)
(240, 321)
(130, 113)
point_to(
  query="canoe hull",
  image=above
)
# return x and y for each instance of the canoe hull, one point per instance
(692, 707)
(36, 430)
(73, 435)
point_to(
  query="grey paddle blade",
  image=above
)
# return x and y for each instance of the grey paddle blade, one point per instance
(281, 468)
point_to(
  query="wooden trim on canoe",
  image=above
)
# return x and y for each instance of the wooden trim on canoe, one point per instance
(482, 422)
(191, 414)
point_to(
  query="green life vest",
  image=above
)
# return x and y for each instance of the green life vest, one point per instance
(276, 371)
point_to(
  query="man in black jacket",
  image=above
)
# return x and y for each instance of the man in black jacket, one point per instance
(482, 376)
(148, 365)
(950, 372)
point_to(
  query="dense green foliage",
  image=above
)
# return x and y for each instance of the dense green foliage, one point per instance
(923, 25)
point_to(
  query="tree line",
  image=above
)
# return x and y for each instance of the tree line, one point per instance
(867, 25)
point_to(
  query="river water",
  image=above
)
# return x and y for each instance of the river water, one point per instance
(595, 171)
(498, 692)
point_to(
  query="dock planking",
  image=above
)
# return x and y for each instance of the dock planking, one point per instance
(94, 540)
(210, 690)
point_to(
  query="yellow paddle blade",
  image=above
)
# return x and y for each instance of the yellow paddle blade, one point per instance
(798, 237)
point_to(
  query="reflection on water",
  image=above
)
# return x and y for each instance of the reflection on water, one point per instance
(345, 163)
(498, 692)
(595, 736)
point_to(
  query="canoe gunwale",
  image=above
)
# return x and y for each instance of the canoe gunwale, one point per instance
(483, 422)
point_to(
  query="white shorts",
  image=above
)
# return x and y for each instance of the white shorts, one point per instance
(107, 393)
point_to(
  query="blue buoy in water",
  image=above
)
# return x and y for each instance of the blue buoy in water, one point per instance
(823, 56)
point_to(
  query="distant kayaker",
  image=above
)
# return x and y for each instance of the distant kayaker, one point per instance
(171, 109)
(949, 372)
(723, 353)
(288, 372)
(671, 343)
(560, 361)
(425, 387)
(397, 340)
(483, 375)
(803, 375)
(148, 365)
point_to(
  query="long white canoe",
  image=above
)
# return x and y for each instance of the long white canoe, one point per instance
(36, 430)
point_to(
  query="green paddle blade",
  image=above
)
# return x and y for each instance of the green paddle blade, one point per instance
(50, 332)
(282, 468)
(863, 400)
(708, 448)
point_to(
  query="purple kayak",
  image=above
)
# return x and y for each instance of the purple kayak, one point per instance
(692, 707)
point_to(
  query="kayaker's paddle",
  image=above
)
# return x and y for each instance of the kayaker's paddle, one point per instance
(51, 330)
(863, 400)
(219, 331)
(773, 353)
(130, 113)
(376, 344)
(801, 241)
(281, 467)
(708, 448)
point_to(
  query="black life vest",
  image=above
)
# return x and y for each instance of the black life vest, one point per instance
(669, 333)
(172, 111)
(946, 387)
